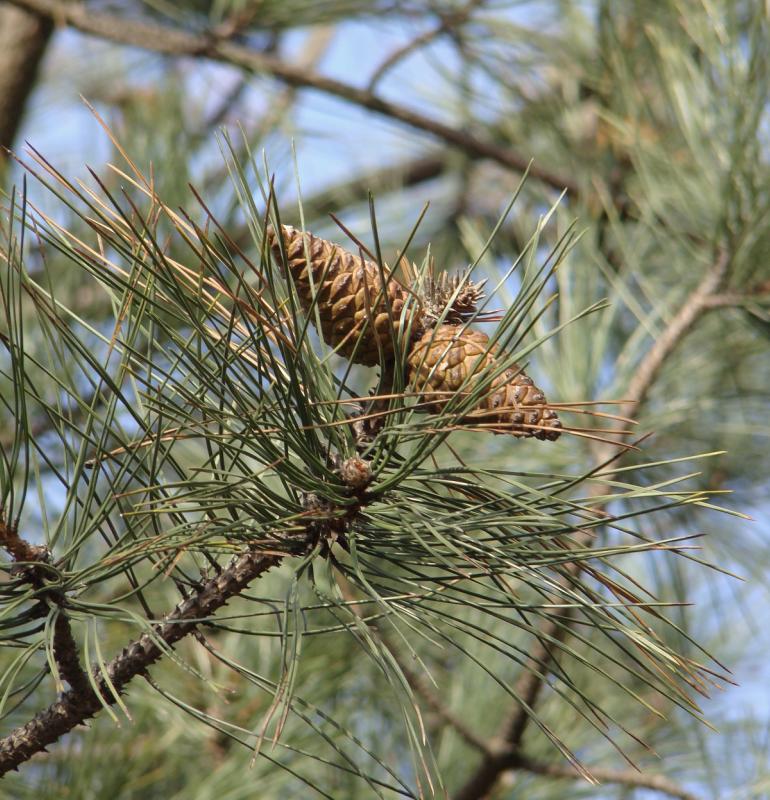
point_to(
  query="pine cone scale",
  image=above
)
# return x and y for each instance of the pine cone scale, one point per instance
(451, 359)
(339, 287)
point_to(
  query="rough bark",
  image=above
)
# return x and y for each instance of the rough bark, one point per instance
(82, 701)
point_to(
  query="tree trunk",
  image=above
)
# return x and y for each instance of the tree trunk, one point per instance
(23, 41)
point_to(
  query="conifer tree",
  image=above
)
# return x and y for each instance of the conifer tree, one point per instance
(429, 480)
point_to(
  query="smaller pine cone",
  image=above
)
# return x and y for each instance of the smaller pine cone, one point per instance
(349, 292)
(451, 297)
(449, 359)
(356, 473)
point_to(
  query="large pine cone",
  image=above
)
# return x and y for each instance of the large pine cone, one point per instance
(349, 292)
(451, 358)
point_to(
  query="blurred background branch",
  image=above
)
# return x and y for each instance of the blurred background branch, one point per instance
(176, 42)
(24, 37)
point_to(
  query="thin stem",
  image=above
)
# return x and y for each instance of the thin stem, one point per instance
(400, 53)
(698, 302)
(448, 24)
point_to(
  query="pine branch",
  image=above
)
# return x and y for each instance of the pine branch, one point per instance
(79, 704)
(629, 778)
(176, 42)
(211, 399)
(530, 684)
(696, 304)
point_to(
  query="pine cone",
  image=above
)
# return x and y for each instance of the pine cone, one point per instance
(452, 298)
(349, 292)
(451, 359)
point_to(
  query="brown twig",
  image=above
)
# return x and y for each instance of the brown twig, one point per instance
(532, 679)
(24, 38)
(18, 548)
(754, 294)
(696, 304)
(220, 114)
(33, 561)
(629, 778)
(79, 704)
(314, 48)
(67, 655)
(175, 42)
(433, 701)
(400, 53)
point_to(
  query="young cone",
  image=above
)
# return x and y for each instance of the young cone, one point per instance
(350, 295)
(451, 358)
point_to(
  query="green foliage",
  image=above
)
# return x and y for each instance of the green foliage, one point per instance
(166, 404)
